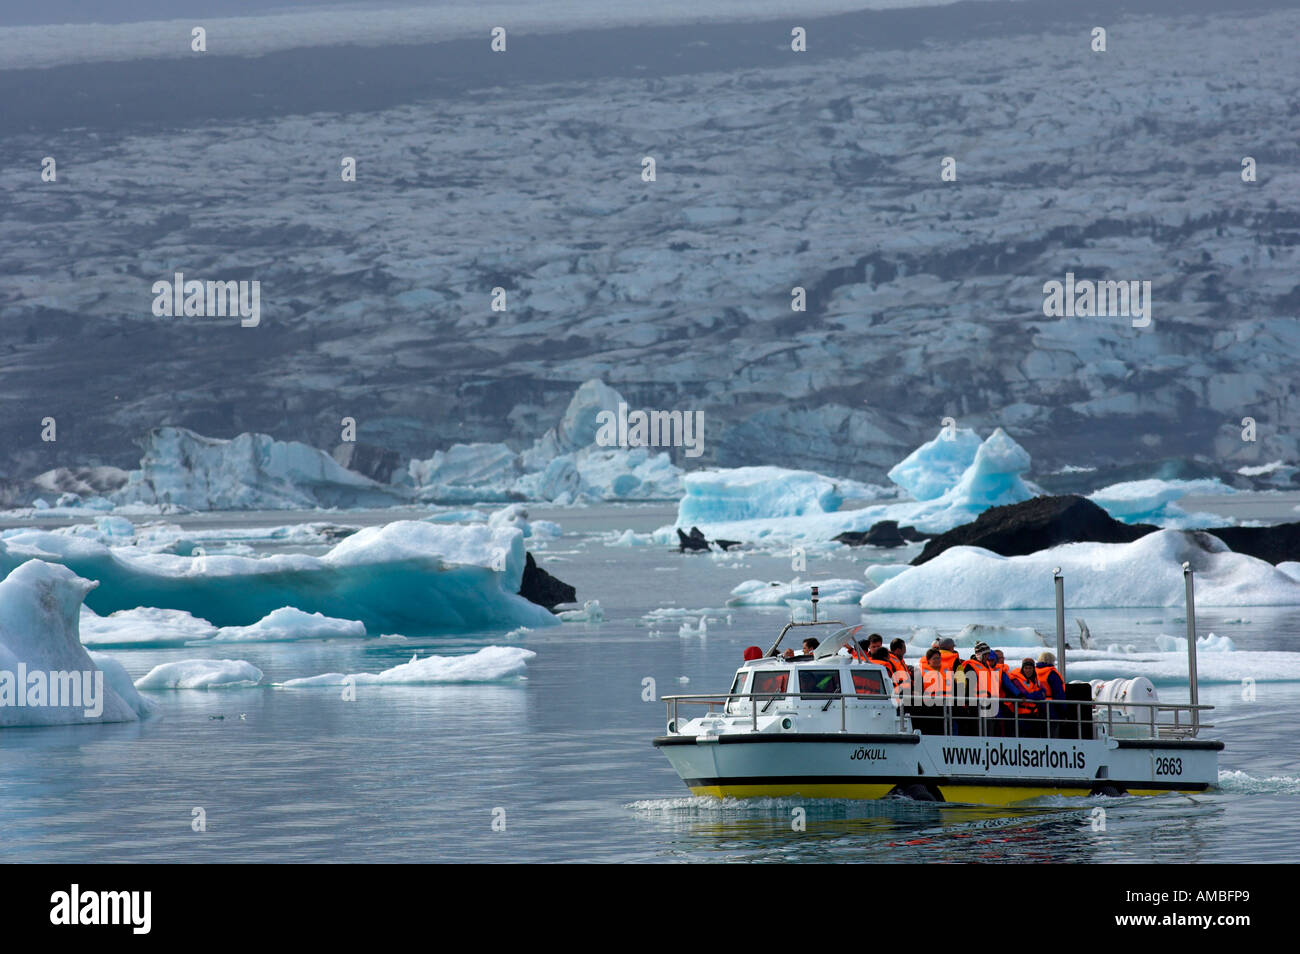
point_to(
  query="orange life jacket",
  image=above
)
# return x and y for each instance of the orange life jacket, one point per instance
(902, 678)
(1024, 706)
(986, 677)
(948, 659)
(938, 681)
(1044, 683)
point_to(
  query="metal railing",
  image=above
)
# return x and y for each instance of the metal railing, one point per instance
(956, 711)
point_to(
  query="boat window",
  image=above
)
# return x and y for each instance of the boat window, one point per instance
(869, 682)
(737, 687)
(770, 683)
(819, 680)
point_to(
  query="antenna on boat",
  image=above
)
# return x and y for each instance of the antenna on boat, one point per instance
(1191, 641)
(815, 598)
(1060, 620)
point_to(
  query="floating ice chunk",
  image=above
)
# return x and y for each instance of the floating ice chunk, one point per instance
(464, 466)
(591, 612)
(764, 593)
(935, 467)
(201, 674)
(1154, 501)
(143, 626)
(1204, 644)
(250, 472)
(992, 480)
(1170, 668)
(630, 538)
(489, 664)
(40, 605)
(1146, 572)
(289, 623)
(114, 526)
(701, 628)
(746, 493)
(408, 576)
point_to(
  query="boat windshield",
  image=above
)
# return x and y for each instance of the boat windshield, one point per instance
(846, 638)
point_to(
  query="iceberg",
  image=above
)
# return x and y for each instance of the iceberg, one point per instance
(489, 664)
(290, 623)
(1204, 644)
(251, 472)
(60, 682)
(772, 503)
(1155, 501)
(934, 468)
(763, 593)
(143, 626)
(1146, 572)
(201, 674)
(404, 577)
(1170, 668)
(564, 465)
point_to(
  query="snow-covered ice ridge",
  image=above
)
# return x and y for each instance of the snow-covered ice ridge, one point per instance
(679, 295)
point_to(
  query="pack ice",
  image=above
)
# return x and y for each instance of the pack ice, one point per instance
(39, 609)
(403, 577)
(1146, 572)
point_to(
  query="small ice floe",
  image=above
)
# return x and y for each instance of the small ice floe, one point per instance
(701, 628)
(201, 674)
(489, 664)
(591, 612)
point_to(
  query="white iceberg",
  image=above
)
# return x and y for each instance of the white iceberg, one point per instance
(289, 623)
(1146, 572)
(564, 465)
(201, 674)
(46, 675)
(1204, 644)
(591, 612)
(755, 493)
(407, 576)
(764, 593)
(489, 664)
(1170, 668)
(143, 626)
(251, 472)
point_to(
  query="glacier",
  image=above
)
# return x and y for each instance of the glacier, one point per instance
(40, 605)
(402, 577)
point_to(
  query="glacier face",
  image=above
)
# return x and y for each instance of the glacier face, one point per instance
(819, 171)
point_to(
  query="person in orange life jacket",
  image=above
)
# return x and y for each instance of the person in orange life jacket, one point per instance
(932, 683)
(948, 651)
(1031, 717)
(880, 656)
(977, 676)
(1050, 679)
(903, 673)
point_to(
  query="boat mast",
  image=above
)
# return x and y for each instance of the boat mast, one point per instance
(1191, 642)
(1060, 621)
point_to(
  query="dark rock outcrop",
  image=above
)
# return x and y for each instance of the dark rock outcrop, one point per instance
(1275, 544)
(884, 533)
(1037, 524)
(541, 588)
(377, 463)
(695, 541)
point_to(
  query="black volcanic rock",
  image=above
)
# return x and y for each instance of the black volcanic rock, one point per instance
(541, 588)
(1034, 525)
(695, 541)
(885, 533)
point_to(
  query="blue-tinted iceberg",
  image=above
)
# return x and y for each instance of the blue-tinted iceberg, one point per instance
(46, 676)
(763, 593)
(1155, 502)
(406, 577)
(935, 467)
